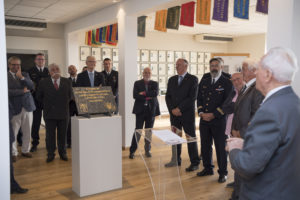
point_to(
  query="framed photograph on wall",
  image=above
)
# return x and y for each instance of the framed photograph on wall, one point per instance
(153, 67)
(106, 53)
(200, 69)
(162, 69)
(206, 68)
(115, 66)
(200, 57)
(171, 69)
(162, 56)
(154, 78)
(162, 82)
(143, 66)
(186, 55)
(193, 57)
(84, 52)
(178, 54)
(96, 52)
(153, 56)
(145, 55)
(193, 69)
(207, 57)
(115, 56)
(170, 56)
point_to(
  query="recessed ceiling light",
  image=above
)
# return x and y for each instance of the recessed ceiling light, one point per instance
(115, 1)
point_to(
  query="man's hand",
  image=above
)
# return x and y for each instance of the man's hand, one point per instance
(26, 90)
(176, 112)
(235, 143)
(207, 116)
(19, 74)
(236, 133)
(142, 93)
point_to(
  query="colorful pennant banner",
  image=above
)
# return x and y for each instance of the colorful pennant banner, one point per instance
(161, 20)
(107, 34)
(141, 28)
(173, 18)
(203, 11)
(241, 9)
(220, 12)
(262, 6)
(187, 14)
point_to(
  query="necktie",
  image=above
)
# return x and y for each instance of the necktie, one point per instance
(213, 81)
(180, 78)
(243, 89)
(41, 70)
(91, 79)
(55, 84)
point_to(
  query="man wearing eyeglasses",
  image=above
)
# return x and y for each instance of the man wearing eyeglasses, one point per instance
(90, 77)
(37, 73)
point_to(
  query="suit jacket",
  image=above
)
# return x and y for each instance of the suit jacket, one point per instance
(112, 81)
(83, 79)
(55, 102)
(269, 161)
(72, 105)
(17, 97)
(36, 76)
(245, 108)
(212, 97)
(182, 96)
(140, 100)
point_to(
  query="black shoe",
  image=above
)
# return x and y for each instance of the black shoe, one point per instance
(192, 168)
(33, 149)
(172, 164)
(205, 172)
(222, 178)
(64, 157)
(19, 190)
(69, 146)
(50, 159)
(230, 185)
(131, 155)
(148, 154)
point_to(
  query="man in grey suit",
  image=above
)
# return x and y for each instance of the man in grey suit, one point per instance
(55, 94)
(267, 158)
(19, 86)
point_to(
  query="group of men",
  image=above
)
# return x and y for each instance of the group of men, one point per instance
(252, 114)
(43, 90)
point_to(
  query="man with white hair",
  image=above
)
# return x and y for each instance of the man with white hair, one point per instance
(55, 94)
(267, 159)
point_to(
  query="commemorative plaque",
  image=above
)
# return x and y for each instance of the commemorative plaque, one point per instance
(94, 100)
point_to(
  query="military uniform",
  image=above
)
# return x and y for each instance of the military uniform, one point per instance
(210, 100)
(36, 76)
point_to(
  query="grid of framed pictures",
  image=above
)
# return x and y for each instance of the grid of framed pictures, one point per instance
(163, 63)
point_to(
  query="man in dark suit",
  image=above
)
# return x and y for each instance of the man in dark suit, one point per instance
(180, 99)
(111, 78)
(267, 159)
(246, 106)
(19, 86)
(90, 77)
(212, 93)
(72, 106)
(145, 108)
(37, 73)
(55, 93)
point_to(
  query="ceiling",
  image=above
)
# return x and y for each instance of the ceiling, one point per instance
(54, 11)
(64, 11)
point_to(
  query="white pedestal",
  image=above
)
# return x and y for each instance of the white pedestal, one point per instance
(96, 154)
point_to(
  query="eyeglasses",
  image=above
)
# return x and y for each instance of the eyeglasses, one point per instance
(15, 65)
(40, 59)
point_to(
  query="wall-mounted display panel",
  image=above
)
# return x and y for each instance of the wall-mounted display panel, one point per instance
(154, 68)
(96, 52)
(193, 69)
(193, 57)
(153, 56)
(106, 53)
(144, 55)
(170, 56)
(178, 54)
(84, 52)
(171, 69)
(186, 55)
(162, 56)
(162, 69)
(115, 57)
(200, 57)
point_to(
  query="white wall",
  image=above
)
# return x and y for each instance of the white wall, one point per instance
(252, 44)
(55, 48)
(171, 41)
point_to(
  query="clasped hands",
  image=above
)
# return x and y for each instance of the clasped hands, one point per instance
(234, 143)
(143, 93)
(176, 112)
(207, 116)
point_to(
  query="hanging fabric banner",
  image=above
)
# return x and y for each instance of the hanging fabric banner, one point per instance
(262, 6)
(94, 42)
(109, 31)
(220, 10)
(141, 28)
(160, 20)
(104, 34)
(97, 35)
(88, 38)
(241, 9)
(203, 11)
(173, 18)
(100, 35)
(187, 14)
(114, 34)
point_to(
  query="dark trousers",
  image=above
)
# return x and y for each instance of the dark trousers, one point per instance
(216, 132)
(190, 129)
(13, 183)
(51, 126)
(19, 137)
(146, 118)
(37, 116)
